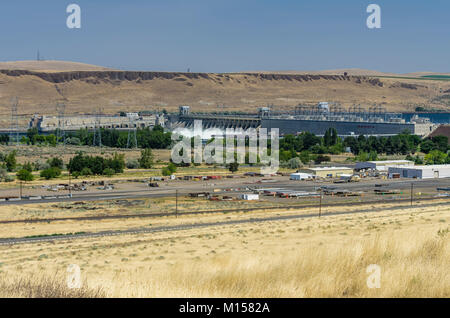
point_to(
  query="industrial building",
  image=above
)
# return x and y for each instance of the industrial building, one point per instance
(382, 166)
(420, 172)
(301, 176)
(327, 172)
(355, 121)
(76, 122)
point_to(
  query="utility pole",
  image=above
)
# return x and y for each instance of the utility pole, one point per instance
(176, 203)
(412, 193)
(70, 184)
(20, 191)
(320, 205)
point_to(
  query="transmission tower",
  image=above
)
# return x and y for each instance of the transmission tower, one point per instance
(97, 129)
(61, 133)
(14, 131)
(132, 131)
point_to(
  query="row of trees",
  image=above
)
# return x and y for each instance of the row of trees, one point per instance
(404, 144)
(154, 138)
(84, 165)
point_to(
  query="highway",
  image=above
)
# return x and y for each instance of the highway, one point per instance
(284, 183)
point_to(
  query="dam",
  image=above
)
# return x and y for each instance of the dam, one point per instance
(314, 119)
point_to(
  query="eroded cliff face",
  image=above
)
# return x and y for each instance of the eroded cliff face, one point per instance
(64, 77)
(114, 91)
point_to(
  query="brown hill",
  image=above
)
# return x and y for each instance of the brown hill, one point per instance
(113, 91)
(50, 66)
(349, 71)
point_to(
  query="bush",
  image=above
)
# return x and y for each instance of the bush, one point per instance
(3, 174)
(56, 163)
(27, 166)
(321, 158)
(132, 164)
(233, 167)
(41, 165)
(73, 141)
(108, 172)
(86, 172)
(50, 173)
(166, 172)
(146, 160)
(295, 163)
(172, 168)
(25, 175)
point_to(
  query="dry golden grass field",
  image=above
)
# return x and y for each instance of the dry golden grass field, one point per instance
(309, 257)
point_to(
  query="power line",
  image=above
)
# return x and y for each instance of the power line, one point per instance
(61, 133)
(14, 130)
(97, 129)
(131, 131)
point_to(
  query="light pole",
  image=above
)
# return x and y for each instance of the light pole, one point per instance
(176, 203)
(70, 184)
(320, 205)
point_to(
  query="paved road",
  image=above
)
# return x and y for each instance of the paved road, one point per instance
(13, 241)
(169, 191)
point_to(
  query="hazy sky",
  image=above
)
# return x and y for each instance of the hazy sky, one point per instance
(231, 35)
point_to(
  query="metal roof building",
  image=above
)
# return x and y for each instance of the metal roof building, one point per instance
(382, 165)
(421, 172)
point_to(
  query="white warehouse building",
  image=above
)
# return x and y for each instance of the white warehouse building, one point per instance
(421, 172)
(382, 165)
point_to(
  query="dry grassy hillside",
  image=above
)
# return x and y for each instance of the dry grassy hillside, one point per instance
(50, 66)
(85, 91)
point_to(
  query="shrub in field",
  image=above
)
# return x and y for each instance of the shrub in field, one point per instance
(86, 172)
(73, 141)
(132, 164)
(28, 166)
(25, 175)
(41, 165)
(146, 160)
(233, 167)
(166, 171)
(295, 163)
(56, 163)
(108, 172)
(50, 173)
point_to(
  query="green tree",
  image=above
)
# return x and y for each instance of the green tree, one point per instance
(28, 166)
(294, 163)
(25, 175)
(146, 160)
(108, 172)
(10, 161)
(233, 167)
(50, 173)
(435, 157)
(31, 134)
(56, 162)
